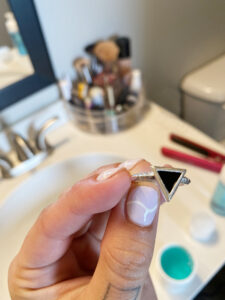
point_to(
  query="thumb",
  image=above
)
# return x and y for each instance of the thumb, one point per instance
(127, 247)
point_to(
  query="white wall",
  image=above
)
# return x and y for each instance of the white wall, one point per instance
(170, 37)
(69, 25)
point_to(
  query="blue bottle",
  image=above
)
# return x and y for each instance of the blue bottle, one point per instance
(13, 31)
(18, 43)
(218, 199)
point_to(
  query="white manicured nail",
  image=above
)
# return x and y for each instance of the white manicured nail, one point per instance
(142, 205)
(107, 174)
(130, 164)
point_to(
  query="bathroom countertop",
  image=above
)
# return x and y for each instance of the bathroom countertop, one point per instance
(15, 69)
(145, 140)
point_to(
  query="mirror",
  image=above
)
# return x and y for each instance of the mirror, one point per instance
(25, 67)
(15, 63)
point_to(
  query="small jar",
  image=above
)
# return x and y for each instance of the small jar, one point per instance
(218, 199)
(124, 61)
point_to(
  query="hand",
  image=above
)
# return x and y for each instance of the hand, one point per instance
(96, 242)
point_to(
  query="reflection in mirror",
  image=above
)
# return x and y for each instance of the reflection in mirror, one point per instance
(15, 63)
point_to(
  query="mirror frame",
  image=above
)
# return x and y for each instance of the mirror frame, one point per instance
(27, 18)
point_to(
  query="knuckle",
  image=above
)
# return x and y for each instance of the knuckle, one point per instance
(15, 282)
(128, 264)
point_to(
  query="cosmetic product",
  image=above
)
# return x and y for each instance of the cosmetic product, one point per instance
(104, 78)
(218, 199)
(80, 62)
(5, 54)
(86, 72)
(88, 103)
(176, 266)
(79, 92)
(124, 61)
(82, 67)
(97, 96)
(110, 97)
(106, 51)
(82, 90)
(136, 81)
(96, 66)
(122, 95)
(71, 102)
(127, 78)
(13, 31)
(76, 100)
(90, 47)
(66, 86)
(119, 109)
(202, 227)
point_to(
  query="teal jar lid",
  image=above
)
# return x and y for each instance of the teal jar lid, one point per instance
(177, 262)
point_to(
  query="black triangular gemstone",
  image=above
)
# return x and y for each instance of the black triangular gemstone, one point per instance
(169, 179)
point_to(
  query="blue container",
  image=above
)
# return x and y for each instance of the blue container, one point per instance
(18, 43)
(218, 199)
(177, 267)
(177, 263)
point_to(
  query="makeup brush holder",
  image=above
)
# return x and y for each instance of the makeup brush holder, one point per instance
(107, 121)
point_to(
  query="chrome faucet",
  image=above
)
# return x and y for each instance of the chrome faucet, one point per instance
(41, 141)
(5, 166)
(22, 147)
(29, 153)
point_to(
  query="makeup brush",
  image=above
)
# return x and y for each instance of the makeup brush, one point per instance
(106, 51)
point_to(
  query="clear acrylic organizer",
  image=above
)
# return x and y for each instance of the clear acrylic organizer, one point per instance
(106, 121)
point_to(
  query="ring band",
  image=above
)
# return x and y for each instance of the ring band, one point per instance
(150, 176)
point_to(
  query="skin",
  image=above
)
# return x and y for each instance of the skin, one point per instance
(84, 247)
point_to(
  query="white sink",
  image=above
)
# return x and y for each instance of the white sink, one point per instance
(24, 204)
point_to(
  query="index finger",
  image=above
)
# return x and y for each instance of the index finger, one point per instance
(50, 236)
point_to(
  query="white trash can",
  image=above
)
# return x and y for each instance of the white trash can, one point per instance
(203, 98)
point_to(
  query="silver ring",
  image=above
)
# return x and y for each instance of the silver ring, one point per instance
(168, 179)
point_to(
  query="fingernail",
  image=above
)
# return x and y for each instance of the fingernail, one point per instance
(142, 205)
(107, 174)
(129, 164)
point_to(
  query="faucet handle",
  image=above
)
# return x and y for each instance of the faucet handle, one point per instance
(22, 147)
(28, 154)
(41, 140)
(5, 165)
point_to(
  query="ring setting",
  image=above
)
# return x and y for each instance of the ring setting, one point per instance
(168, 179)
